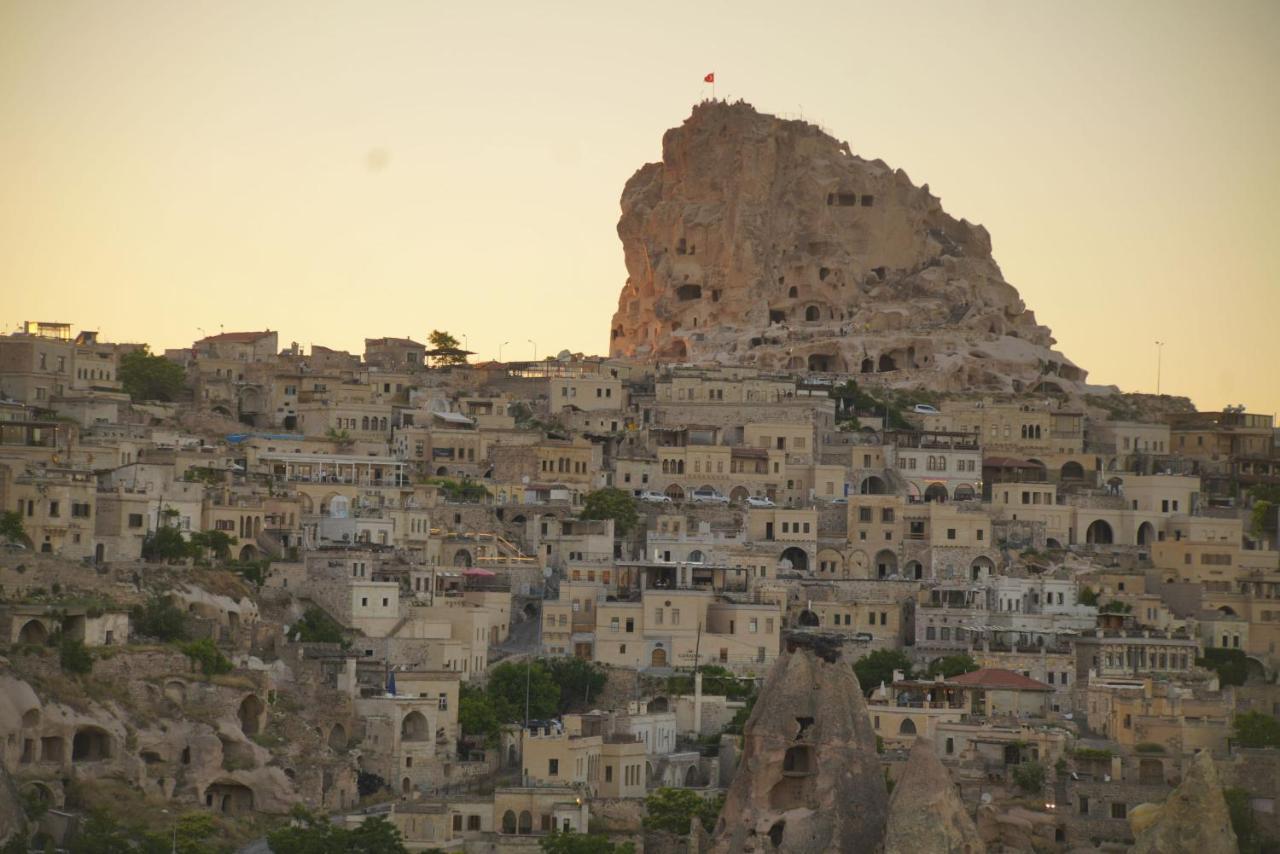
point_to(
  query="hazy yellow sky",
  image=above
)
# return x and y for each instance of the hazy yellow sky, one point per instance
(339, 171)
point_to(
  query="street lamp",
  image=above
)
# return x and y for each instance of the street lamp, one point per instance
(1159, 358)
(500, 346)
(535, 349)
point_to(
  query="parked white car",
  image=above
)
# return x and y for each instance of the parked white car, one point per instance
(655, 498)
(760, 501)
(707, 496)
(924, 409)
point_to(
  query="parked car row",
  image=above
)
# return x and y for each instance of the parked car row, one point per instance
(704, 495)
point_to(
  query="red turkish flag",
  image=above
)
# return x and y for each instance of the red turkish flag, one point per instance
(710, 78)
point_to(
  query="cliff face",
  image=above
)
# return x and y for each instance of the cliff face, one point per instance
(764, 241)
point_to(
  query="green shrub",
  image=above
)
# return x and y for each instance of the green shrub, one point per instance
(211, 660)
(73, 656)
(1029, 776)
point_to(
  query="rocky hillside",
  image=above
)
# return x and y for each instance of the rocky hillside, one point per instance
(764, 241)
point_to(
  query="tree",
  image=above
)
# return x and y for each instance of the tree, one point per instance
(442, 342)
(672, 810)
(1088, 597)
(1115, 607)
(740, 718)
(73, 656)
(1256, 729)
(1029, 776)
(579, 681)
(339, 437)
(11, 527)
(506, 690)
(951, 665)
(211, 660)
(159, 619)
(1231, 665)
(1261, 517)
(460, 491)
(165, 543)
(477, 715)
(218, 543)
(149, 377)
(316, 626)
(611, 503)
(1243, 821)
(368, 783)
(313, 834)
(582, 843)
(878, 666)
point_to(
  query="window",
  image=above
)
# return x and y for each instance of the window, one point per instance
(1119, 810)
(657, 616)
(457, 821)
(675, 616)
(135, 520)
(608, 773)
(553, 767)
(752, 626)
(631, 625)
(951, 533)
(1084, 805)
(473, 822)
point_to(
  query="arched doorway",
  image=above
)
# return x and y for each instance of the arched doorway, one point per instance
(739, 494)
(674, 492)
(691, 778)
(886, 563)
(936, 492)
(526, 822)
(338, 738)
(965, 492)
(914, 569)
(250, 715)
(463, 558)
(406, 786)
(1072, 470)
(248, 553)
(809, 619)
(982, 567)
(90, 744)
(873, 485)
(658, 658)
(1099, 533)
(508, 822)
(414, 727)
(513, 756)
(1146, 534)
(33, 632)
(907, 727)
(798, 558)
(696, 556)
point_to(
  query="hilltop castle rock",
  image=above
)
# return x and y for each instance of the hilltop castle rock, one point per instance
(763, 241)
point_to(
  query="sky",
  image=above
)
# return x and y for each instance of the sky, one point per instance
(343, 170)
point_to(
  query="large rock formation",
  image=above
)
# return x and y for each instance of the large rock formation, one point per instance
(764, 241)
(1193, 820)
(926, 815)
(809, 780)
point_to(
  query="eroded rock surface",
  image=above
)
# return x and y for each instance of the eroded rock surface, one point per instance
(926, 816)
(1193, 820)
(809, 780)
(765, 241)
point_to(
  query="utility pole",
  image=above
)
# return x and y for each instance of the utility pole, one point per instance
(1159, 359)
